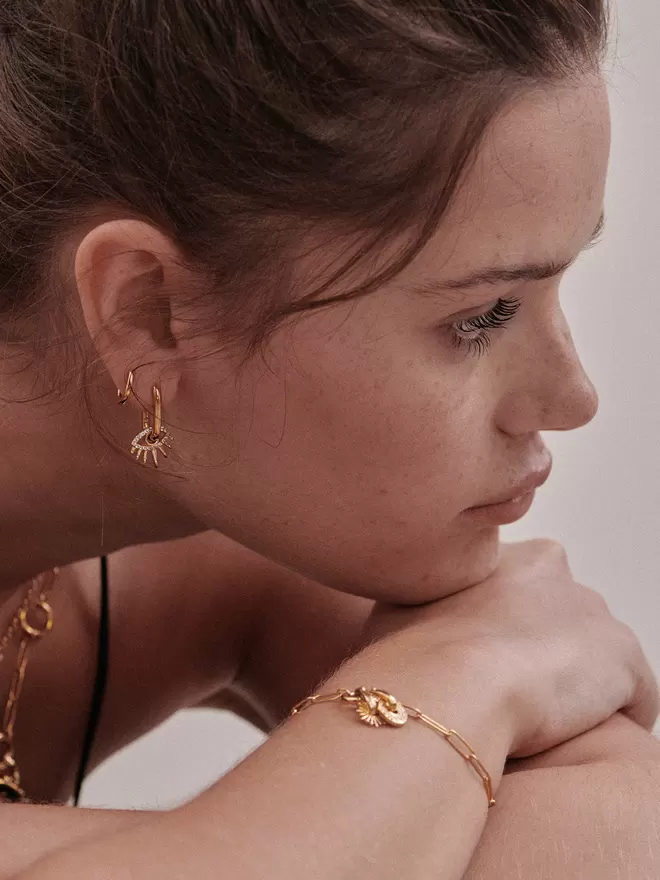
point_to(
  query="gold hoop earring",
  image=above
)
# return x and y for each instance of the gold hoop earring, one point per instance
(152, 438)
(128, 390)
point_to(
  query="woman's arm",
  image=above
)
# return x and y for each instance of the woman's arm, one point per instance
(598, 822)
(550, 821)
(617, 741)
(31, 832)
(594, 822)
(305, 631)
(328, 797)
(230, 582)
(610, 822)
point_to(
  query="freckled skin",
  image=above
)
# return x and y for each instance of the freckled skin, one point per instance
(350, 454)
(354, 453)
(350, 451)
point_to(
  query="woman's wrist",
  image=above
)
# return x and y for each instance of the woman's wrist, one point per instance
(402, 799)
(463, 688)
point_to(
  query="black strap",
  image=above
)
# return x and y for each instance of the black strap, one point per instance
(99, 683)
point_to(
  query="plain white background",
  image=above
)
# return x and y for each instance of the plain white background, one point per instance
(602, 500)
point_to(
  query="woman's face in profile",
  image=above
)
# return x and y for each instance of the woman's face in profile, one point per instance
(356, 454)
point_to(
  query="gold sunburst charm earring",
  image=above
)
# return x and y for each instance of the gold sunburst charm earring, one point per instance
(152, 439)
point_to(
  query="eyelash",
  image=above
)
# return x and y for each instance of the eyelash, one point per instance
(502, 312)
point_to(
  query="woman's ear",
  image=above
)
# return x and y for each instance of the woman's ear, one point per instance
(126, 272)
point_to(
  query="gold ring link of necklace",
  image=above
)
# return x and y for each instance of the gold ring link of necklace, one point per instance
(28, 633)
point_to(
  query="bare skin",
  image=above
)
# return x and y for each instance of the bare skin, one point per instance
(199, 644)
(257, 639)
(372, 404)
(369, 405)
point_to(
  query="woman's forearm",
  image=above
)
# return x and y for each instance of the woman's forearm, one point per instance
(596, 822)
(588, 808)
(328, 797)
(30, 832)
(617, 740)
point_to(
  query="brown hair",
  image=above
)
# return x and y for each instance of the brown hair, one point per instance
(233, 124)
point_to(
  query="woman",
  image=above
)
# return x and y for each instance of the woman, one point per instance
(317, 248)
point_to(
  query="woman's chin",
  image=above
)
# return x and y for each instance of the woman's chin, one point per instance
(457, 565)
(461, 568)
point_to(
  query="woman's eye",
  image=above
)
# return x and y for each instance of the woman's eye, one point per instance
(475, 333)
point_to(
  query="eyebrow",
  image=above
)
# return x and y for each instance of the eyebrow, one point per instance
(509, 274)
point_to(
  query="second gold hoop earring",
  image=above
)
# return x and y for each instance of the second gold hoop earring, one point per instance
(153, 438)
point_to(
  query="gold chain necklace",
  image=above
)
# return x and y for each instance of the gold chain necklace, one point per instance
(36, 600)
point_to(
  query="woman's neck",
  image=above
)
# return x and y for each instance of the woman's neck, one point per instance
(66, 494)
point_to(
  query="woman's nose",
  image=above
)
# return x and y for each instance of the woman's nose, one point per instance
(551, 391)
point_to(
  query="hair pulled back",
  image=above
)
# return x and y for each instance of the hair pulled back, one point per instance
(234, 124)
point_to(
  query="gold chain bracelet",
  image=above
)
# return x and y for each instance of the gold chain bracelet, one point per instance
(376, 707)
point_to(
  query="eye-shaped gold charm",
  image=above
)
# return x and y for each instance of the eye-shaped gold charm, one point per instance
(145, 442)
(376, 708)
(153, 437)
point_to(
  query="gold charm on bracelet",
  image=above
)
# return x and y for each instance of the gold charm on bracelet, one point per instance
(376, 708)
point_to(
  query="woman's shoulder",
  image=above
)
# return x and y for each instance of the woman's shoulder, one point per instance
(188, 619)
(178, 622)
(180, 615)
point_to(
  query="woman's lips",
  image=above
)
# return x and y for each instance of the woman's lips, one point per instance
(503, 510)
(504, 513)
